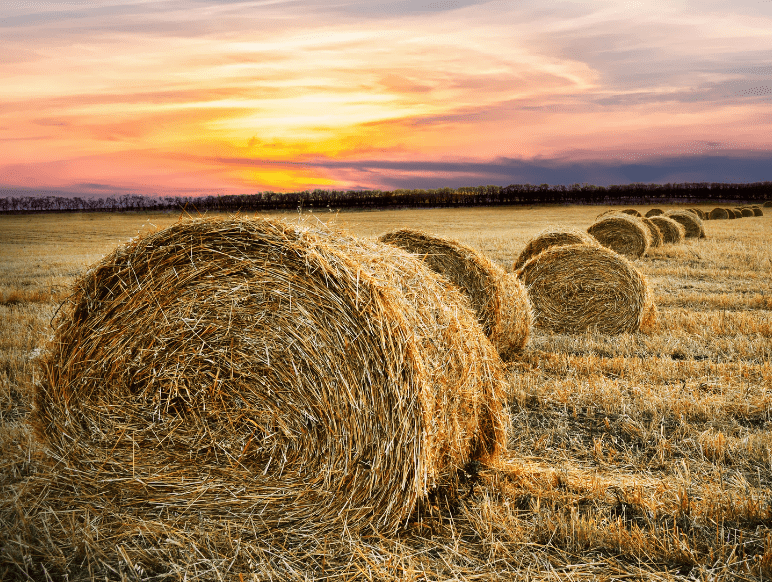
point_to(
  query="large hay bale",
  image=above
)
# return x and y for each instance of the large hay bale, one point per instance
(757, 211)
(654, 233)
(690, 221)
(552, 237)
(622, 233)
(747, 212)
(672, 231)
(497, 297)
(295, 376)
(581, 288)
(654, 212)
(719, 214)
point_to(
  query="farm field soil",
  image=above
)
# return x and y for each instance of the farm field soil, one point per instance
(644, 456)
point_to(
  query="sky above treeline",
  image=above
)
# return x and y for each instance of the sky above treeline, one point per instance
(203, 97)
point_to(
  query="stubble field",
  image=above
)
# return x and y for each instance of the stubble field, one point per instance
(640, 456)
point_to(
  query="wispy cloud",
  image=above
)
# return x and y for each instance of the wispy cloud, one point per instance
(160, 95)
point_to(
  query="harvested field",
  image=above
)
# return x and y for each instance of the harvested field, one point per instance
(639, 456)
(623, 234)
(498, 298)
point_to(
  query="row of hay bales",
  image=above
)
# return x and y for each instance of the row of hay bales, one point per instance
(719, 213)
(327, 381)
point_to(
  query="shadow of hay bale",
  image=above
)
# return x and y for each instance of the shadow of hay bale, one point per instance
(587, 288)
(622, 233)
(498, 298)
(322, 382)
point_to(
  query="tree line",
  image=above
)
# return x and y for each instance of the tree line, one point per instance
(514, 194)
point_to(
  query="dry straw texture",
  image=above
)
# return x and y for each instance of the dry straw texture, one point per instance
(622, 233)
(747, 212)
(719, 214)
(691, 222)
(259, 368)
(654, 234)
(672, 231)
(498, 298)
(654, 212)
(700, 213)
(632, 212)
(552, 237)
(587, 288)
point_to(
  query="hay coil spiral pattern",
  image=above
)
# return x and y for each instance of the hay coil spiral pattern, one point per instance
(272, 369)
(498, 298)
(672, 231)
(692, 224)
(655, 235)
(654, 212)
(552, 237)
(623, 234)
(580, 288)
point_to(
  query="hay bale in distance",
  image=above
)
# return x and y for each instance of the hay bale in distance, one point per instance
(262, 367)
(632, 212)
(498, 298)
(672, 231)
(581, 288)
(654, 232)
(622, 233)
(767, 204)
(690, 221)
(719, 214)
(747, 212)
(654, 212)
(757, 211)
(552, 237)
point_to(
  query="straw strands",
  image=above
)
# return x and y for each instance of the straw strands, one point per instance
(256, 367)
(622, 233)
(672, 231)
(719, 214)
(498, 298)
(632, 212)
(654, 212)
(587, 288)
(552, 237)
(691, 222)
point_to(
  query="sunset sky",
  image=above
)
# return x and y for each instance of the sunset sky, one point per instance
(199, 97)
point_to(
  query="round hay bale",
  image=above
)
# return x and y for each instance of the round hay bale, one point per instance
(757, 211)
(735, 212)
(654, 233)
(690, 221)
(654, 212)
(586, 288)
(632, 212)
(498, 298)
(747, 212)
(767, 204)
(672, 231)
(552, 237)
(622, 233)
(257, 367)
(719, 214)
